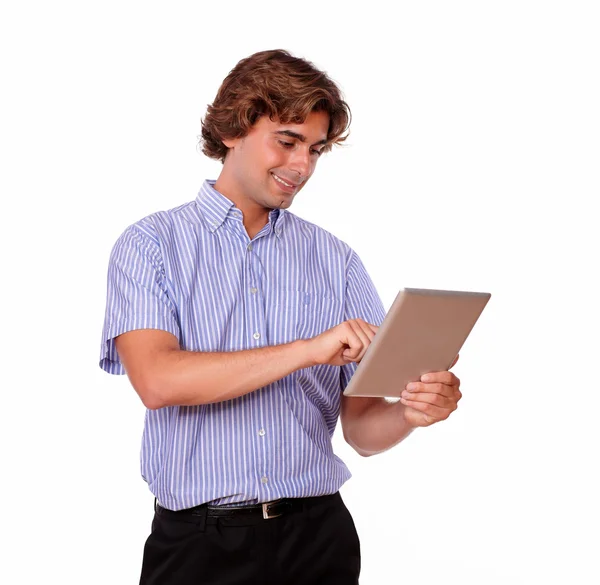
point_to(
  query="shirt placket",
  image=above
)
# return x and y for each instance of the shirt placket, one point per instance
(255, 327)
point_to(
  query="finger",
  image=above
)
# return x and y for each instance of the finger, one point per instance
(431, 410)
(367, 329)
(354, 346)
(355, 339)
(447, 378)
(448, 402)
(362, 326)
(441, 389)
(373, 328)
(364, 334)
(367, 326)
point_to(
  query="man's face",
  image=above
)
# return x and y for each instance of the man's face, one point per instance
(270, 165)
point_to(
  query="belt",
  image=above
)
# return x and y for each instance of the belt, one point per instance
(267, 511)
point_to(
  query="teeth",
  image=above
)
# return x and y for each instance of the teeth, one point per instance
(281, 181)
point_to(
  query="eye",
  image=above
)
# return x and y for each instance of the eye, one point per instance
(317, 152)
(285, 144)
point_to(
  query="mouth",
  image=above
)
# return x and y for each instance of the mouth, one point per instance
(284, 185)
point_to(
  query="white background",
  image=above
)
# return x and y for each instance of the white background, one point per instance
(473, 164)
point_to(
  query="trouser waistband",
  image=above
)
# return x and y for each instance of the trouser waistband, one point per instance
(265, 511)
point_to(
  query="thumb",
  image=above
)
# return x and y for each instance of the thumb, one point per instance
(349, 353)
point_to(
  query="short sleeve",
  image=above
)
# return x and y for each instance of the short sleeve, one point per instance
(137, 296)
(362, 301)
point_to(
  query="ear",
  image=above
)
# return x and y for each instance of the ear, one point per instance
(231, 142)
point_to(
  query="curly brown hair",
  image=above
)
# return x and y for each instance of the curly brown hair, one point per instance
(276, 84)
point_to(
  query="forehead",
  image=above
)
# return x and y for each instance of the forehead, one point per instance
(314, 128)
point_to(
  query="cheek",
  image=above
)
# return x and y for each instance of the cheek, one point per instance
(273, 157)
(257, 165)
(274, 160)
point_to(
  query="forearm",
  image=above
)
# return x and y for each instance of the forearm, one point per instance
(380, 427)
(189, 378)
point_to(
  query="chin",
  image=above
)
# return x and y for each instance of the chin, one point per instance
(279, 201)
(285, 203)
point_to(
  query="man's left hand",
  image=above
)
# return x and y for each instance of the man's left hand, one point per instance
(432, 399)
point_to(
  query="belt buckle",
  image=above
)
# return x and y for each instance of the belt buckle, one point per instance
(268, 515)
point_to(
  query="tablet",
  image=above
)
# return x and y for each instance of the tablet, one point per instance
(422, 332)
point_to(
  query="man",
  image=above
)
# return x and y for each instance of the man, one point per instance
(239, 325)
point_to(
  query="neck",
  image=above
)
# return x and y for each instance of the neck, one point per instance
(254, 216)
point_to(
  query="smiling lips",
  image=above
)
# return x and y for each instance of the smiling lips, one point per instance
(284, 183)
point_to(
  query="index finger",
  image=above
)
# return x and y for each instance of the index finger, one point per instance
(447, 378)
(373, 328)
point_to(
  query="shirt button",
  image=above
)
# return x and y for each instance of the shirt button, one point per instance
(253, 290)
(249, 247)
(261, 432)
(256, 336)
(265, 480)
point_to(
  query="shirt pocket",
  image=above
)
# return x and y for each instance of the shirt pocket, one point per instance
(298, 314)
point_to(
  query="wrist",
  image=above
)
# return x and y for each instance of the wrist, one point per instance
(302, 348)
(407, 426)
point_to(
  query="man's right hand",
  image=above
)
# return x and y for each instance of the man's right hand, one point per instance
(342, 344)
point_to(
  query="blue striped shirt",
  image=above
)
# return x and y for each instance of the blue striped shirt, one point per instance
(193, 271)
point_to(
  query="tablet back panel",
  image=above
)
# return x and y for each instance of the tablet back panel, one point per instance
(422, 332)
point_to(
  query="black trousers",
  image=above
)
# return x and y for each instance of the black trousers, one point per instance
(316, 543)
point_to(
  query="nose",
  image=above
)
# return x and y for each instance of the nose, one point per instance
(300, 161)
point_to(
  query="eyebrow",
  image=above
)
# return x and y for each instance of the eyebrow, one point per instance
(299, 137)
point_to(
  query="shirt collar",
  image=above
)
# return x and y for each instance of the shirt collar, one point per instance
(213, 206)
(216, 208)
